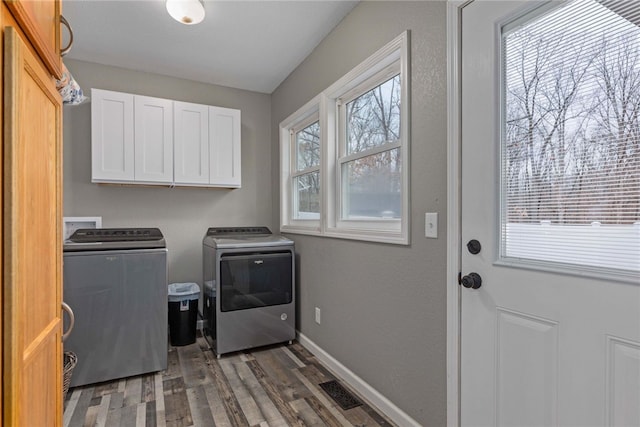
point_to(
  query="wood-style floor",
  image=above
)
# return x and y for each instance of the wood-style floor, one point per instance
(273, 386)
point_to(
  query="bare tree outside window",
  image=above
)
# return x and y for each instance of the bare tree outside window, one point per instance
(372, 181)
(571, 135)
(307, 185)
(373, 118)
(308, 146)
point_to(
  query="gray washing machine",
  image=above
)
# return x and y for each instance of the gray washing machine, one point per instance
(115, 280)
(249, 288)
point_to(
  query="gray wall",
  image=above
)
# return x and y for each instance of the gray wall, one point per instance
(383, 306)
(183, 214)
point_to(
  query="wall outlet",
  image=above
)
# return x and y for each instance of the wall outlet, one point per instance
(318, 315)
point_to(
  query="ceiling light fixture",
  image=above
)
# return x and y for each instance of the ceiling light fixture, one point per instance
(189, 12)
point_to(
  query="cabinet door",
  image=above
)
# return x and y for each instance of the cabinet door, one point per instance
(40, 21)
(32, 272)
(191, 143)
(224, 147)
(153, 137)
(112, 145)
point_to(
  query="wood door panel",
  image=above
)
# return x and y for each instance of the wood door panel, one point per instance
(32, 281)
(35, 148)
(40, 21)
(39, 369)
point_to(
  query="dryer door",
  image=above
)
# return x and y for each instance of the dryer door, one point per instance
(252, 280)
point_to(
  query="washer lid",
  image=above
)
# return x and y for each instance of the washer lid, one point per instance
(243, 237)
(247, 241)
(237, 231)
(100, 239)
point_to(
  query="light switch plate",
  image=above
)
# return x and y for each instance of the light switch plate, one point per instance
(431, 225)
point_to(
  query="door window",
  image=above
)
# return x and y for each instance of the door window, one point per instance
(570, 156)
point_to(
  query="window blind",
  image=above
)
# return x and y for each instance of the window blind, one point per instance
(570, 151)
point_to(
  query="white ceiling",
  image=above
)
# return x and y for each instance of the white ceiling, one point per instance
(251, 45)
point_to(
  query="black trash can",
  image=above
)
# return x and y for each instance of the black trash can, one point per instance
(183, 313)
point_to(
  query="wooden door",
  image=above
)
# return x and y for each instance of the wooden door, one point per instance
(32, 263)
(550, 336)
(40, 20)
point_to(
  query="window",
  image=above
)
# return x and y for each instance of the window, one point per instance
(370, 154)
(344, 168)
(571, 139)
(306, 175)
(301, 153)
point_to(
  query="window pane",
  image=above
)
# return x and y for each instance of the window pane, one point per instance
(308, 146)
(373, 118)
(307, 196)
(372, 186)
(571, 138)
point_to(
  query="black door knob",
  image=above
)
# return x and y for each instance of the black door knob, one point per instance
(471, 280)
(474, 247)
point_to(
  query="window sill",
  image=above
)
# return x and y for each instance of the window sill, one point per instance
(291, 229)
(394, 238)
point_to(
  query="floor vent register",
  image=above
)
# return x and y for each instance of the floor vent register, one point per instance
(341, 395)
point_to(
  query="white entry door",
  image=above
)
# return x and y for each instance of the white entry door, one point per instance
(550, 194)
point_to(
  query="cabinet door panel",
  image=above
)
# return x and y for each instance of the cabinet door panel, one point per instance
(32, 273)
(112, 145)
(191, 143)
(224, 147)
(40, 21)
(153, 136)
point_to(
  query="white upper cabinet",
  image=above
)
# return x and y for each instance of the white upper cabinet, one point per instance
(224, 146)
(191, 143)
(145, 140)
(112, 149)
(153, 140)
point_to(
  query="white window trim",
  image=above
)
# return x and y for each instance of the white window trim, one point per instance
(376, 224)
(288, 168)
(293, 131)
(374, 68)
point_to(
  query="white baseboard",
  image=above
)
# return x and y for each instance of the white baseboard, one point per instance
(358, 384)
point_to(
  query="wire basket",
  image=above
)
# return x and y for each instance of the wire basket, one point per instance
(70, 361)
